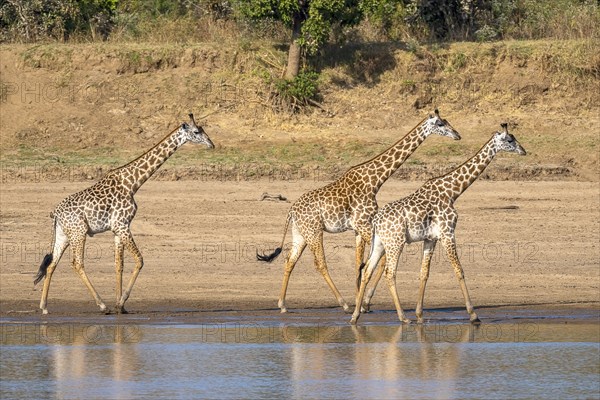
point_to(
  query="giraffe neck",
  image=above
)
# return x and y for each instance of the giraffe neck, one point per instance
(462, 177)
(137, 172)
(382, 166)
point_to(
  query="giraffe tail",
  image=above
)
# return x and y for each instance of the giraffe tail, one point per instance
(47, 258)
(270, 257)
(43, 268)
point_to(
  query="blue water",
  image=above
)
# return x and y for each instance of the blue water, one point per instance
(250, 361)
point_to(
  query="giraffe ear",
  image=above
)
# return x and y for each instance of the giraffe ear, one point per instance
(504, 126)
(437, 112)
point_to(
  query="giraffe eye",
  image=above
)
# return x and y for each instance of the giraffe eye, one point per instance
(439, 123)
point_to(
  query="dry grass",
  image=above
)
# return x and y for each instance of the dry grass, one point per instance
(543, 88)
(470, 75)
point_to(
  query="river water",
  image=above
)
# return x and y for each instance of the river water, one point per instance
(269, 360)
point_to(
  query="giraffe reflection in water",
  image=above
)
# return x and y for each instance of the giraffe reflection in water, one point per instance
(375, 358)
(77, 352)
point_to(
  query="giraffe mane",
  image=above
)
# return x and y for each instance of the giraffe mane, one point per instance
(395, 143)
(147, 151)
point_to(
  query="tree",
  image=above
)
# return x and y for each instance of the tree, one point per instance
(311, 22)
(31, 20)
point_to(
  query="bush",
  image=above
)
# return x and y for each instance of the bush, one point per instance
(420, 20)
(33, 20)
(293, 95)
(484, 20)
(486, 34)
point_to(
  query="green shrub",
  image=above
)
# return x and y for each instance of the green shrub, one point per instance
(395, 20)
(33, 20)
(295, 94)
(486, 34)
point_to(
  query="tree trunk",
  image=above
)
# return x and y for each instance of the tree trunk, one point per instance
(295, 51)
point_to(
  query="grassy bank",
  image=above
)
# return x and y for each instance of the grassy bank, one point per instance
(90, 107)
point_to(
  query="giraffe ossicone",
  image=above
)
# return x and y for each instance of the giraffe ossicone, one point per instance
(109, 205)
(427, 215)
(348, 203)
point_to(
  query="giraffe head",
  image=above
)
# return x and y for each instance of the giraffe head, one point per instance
(194, 133)
(505, 141)
(439, 126)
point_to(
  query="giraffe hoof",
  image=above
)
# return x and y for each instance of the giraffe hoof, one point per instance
(353, 321)
(283, 310)
(121, 310)
(44, 312)
(476, 321)
(406, 321)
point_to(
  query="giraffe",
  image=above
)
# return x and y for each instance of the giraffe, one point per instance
(109, 205)
(348, 203)
(428, 215)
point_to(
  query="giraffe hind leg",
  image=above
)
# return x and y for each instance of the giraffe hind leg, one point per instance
(450, 247)
(428, 248)
(391, 265)
(61, 242)
(366, 306)
(78, 243)
(119, 250)
(317, 248)
(366, 236)
(298, 246)
(360, 250)
(367, 270)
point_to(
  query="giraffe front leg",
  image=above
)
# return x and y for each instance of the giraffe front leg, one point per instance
(119, 252)
(428, 248)
(450, 246)
(139, 264)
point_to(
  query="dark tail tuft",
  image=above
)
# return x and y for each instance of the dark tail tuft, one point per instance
(43, 268)
(360, 274)
(269, 257)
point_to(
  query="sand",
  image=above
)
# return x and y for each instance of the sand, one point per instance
(523, 245)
